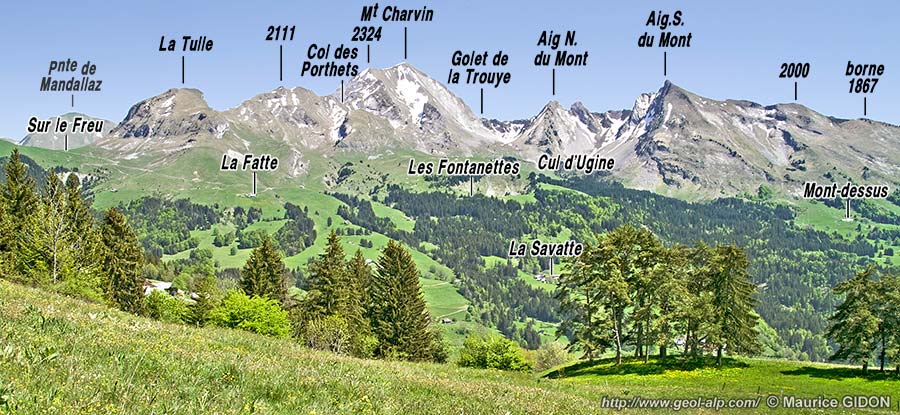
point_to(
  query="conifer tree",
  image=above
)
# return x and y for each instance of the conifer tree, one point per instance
(21, 203)
(83, 241)
(699, 314)
(399, 317)
(264, 273)
(586, 323)
(637, 253)
(359, 281)
(665, 305)
(208, 296)
(855, 323)
(329, 282)
(732, 299)
(7, 238)
(122, 263)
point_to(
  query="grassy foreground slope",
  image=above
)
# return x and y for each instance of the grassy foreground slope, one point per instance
(60, 355)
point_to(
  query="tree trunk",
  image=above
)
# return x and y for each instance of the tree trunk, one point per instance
(55, 272)
(618, 328)
(883, 352)
(639, 341)
(662, 352)
(719, 356)
(647, 354)
(865, 367)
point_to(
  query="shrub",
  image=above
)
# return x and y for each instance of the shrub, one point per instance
(550, 355)
(335, 334)
(255, 314)
(492, 352)
(163, 307)
(330, 333)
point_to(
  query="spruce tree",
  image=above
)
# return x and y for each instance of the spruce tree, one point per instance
(264, 273)
(21, 203)
(855, 323)
(19, 192)
(122, 263)
(208, 296)
(399, 317)
(83, 240)
(329, 283)
(7, 239)
(360, 278)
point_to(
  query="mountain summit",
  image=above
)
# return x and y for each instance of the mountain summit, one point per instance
(670, 141)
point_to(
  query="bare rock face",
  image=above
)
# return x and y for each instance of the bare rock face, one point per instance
(175, 113)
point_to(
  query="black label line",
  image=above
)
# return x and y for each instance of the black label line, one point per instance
(482, 100)
(368, 53)
(182, 69)
(254, 183)
(865, 107)
(404, 44)
(795, 90)
(554, 81)
(281, 62)
(665, 64)
(73, 100)
(342, 91)
(66, 145)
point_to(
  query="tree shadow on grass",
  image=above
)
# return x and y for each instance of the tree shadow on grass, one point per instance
(636, 366)
(839, 373)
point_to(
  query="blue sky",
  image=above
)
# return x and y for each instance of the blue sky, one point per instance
(736, 51)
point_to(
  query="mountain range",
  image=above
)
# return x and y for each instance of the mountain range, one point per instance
(670, 141)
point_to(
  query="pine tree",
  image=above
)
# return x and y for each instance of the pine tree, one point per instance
(637, 253)
(611, 270)
(732, 299)
(399, 317)
(854, 325)
(665, 305)
(264, 273)
(587, 323)
(122, 263)
(699, 315)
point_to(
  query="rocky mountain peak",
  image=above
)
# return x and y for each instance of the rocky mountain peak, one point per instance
(178, 111)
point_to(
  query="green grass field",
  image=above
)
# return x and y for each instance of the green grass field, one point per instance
(827, 219)
(63, 356)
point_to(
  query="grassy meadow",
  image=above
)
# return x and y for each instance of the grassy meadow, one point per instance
(62, 356)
